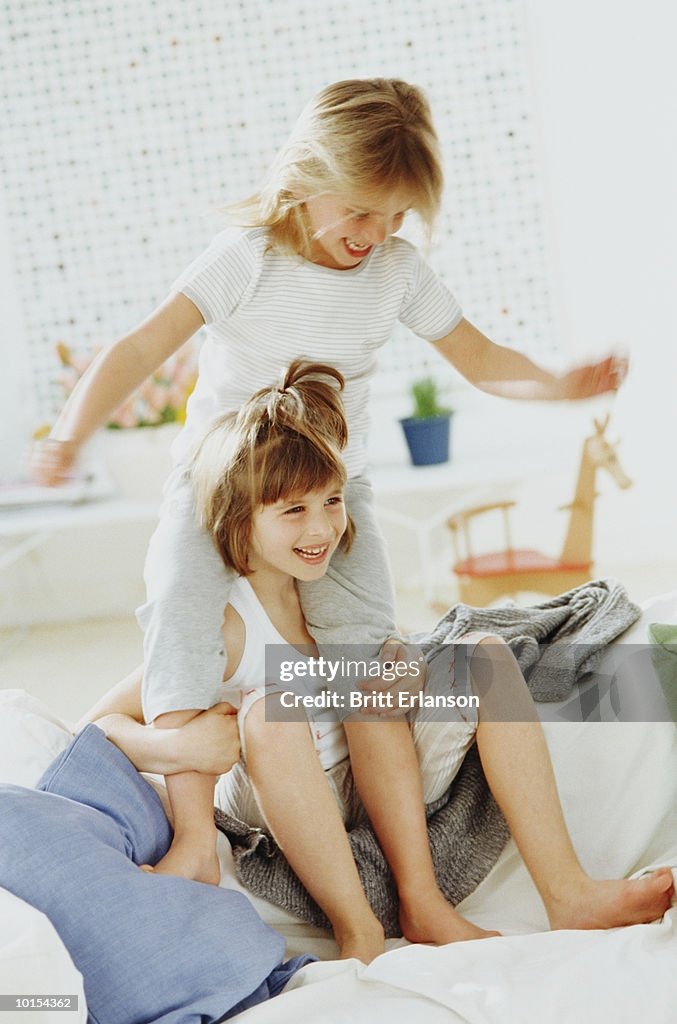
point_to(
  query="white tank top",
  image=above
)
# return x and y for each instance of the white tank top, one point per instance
(248, 681)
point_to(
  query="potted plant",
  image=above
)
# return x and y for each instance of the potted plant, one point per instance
(428, 430)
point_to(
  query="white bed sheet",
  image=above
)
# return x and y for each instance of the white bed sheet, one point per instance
(618, 785)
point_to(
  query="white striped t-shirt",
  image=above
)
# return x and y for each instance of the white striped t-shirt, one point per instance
(263, 309)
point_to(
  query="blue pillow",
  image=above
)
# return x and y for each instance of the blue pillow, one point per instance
(149, 947)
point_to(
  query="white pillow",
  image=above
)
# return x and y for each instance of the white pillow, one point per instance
(30, 737)
(34, 959)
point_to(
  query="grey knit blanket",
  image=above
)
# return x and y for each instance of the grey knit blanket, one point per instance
(557, 643)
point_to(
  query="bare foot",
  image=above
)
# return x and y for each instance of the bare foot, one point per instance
(427, 917)
(190, 857)
(611, 904)
(362, 940)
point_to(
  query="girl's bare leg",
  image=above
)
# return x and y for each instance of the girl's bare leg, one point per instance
(388, 779)
(519, 771)
(165, 748)
(191, 796)
(301, 812)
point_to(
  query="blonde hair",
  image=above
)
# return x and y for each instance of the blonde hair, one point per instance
(284, 442)
(354, 137)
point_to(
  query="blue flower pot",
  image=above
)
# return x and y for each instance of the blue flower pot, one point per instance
(428, 440)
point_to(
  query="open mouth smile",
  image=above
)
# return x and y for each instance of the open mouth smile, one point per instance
(355, 249)
(314, 555)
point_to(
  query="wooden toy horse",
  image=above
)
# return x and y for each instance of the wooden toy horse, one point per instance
(483, 578)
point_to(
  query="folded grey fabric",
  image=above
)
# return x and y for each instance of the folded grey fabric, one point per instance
(557, 643)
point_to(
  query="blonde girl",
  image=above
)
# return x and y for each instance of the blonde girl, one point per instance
(315, 269)
(269, 488)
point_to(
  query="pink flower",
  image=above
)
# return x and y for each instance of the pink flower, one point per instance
(161, 399)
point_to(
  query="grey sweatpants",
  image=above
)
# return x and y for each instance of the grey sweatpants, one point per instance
(187, 588)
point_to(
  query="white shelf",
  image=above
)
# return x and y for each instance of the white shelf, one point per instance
(17, 521)
(26, 529)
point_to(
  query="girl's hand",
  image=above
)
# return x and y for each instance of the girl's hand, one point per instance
(595, 378)
(404, 672)
(52, 461)
(210, 742)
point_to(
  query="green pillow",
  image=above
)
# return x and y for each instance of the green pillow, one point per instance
(663, 636)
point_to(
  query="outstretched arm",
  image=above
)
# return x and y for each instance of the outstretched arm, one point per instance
(510, 374)
(112, 377)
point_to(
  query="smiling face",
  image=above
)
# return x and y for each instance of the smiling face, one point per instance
(344, 229)
(297, 535)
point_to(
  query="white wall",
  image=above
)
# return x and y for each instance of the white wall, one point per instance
(605, 83)
(604, 74)
(15, 393)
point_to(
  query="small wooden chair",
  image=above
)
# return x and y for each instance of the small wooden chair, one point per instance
(483, 578)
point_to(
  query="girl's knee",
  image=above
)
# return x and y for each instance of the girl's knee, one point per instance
(497, 679)
(492, 648)
(491, 662)
(492, 641)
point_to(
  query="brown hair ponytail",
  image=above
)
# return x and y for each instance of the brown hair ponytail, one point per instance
(286, 440)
